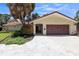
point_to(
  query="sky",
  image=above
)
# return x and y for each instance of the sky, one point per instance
(68, 9)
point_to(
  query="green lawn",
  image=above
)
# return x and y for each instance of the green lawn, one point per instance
(4, 35)
(16, 40)
(10, 40)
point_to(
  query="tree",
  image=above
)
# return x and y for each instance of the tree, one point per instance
(35, 15)
(6, 17)
(1, 19)
(77, 19)
(77, 16)
(32, 17)
(20, 10)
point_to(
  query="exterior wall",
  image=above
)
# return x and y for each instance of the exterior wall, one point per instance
(73, 29)
(56, 19)
(44, 29)
(34, 31)
(12, 28)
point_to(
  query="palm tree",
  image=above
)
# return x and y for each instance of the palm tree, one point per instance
(20, 10)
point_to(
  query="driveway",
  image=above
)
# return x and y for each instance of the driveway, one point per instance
(44, 46)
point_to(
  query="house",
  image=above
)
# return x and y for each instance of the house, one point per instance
(55, 24)
(12, 25)
(15, 25)
(51, 24)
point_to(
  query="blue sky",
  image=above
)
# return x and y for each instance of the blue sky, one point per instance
(68, 9)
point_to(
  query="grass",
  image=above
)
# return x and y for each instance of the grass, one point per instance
(17, 40)
(12, 40)
(4, 34)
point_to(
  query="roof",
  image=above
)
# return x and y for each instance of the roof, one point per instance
(58, 13)
(12, 23)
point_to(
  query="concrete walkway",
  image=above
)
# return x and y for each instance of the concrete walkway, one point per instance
(44, 46)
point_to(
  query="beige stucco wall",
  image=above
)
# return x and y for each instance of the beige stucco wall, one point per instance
(12, 28)
(56, 19)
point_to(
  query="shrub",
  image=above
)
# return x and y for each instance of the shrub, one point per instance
(25, 31)
(16, 34)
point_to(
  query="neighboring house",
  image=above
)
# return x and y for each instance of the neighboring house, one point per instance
(12, 25)
(55, 24)
(51, 24)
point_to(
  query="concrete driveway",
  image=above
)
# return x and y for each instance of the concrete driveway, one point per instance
(44, 46)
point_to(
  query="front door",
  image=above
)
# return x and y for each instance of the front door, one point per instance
(39, 29)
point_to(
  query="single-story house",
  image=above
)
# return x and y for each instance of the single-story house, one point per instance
(12, 25)
(15, 25)
(54, 23)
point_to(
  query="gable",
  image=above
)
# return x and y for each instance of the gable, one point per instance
(55, 18)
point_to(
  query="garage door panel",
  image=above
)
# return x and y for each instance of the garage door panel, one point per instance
(57, 29)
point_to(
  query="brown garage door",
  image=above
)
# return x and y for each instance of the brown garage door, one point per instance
(57, 29)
